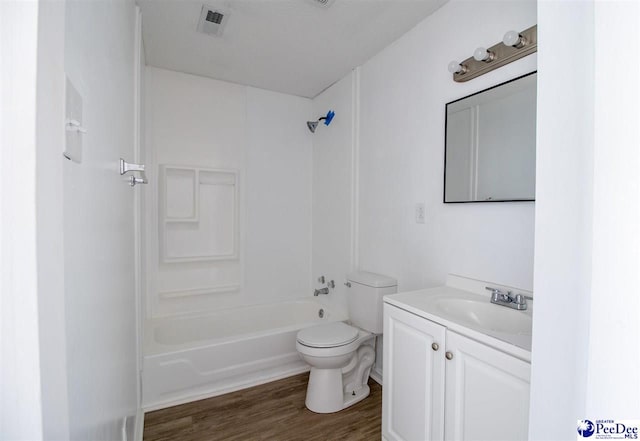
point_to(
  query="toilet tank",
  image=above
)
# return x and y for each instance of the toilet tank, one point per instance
(365, 299)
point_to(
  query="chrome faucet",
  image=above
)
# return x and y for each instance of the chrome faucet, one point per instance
(321, 291)
(518, 301)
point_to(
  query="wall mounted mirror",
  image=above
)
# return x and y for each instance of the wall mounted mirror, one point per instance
(490, 144)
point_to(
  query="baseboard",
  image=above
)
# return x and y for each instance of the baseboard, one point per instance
(139, 426)
(376, 376)
(226, 387)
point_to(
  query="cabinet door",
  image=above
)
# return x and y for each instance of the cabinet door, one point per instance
(413, 377)
(487, 392)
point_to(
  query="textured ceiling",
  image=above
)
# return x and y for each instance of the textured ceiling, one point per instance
(290, 46)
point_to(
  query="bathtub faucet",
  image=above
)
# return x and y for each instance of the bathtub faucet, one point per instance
(321, 291)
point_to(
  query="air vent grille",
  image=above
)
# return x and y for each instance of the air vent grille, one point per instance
(212, 21)
(322, 3)
(214, 17)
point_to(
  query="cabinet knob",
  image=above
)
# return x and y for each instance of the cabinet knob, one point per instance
(435, 346)
(448, 355)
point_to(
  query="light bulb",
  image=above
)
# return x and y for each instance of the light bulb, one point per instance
(513, 38)
(482, 54)
(457, 68)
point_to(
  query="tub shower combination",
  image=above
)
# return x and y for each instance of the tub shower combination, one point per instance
(195, 357)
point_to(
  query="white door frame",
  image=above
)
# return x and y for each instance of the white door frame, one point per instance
(138, 216)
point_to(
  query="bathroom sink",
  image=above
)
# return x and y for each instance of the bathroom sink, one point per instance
(467, 310)
(484, 315)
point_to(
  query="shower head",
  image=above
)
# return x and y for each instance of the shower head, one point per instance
(312, 125)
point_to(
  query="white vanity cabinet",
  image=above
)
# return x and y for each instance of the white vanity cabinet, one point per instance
(486, 392)
(414, 373)
(439, 384)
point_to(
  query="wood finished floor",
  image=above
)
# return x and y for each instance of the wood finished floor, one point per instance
(273, 411)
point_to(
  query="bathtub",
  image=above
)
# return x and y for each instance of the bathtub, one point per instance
(196, 357)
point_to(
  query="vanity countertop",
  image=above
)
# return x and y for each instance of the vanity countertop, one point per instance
(472, 315)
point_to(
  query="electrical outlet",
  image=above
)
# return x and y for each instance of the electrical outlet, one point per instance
(420, 213)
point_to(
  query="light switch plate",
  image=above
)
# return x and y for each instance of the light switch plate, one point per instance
(73, 115)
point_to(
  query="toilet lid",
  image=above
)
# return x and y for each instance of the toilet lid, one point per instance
(327, 336)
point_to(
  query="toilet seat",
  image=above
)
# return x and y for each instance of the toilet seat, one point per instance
(330, 335)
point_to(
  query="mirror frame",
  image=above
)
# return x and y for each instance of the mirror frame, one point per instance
(446, 115)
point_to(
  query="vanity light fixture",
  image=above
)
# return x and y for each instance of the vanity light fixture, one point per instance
(457, 68)
(514, 39)
(482, 54)
(513, 46)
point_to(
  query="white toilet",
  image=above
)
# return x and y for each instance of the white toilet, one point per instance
(341, 355)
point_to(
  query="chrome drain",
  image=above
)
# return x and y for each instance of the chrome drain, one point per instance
(321, 313)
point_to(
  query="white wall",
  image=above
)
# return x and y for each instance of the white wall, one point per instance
(192, 120)
(20, 400)
(278, 204)
(403, 92)
(585, 333)
(614, 327)
(99, 219)
(563, 222)
(333, 189)
(50, 216)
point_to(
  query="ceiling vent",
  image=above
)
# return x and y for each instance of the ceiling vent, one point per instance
(212, 21)
(322, 3)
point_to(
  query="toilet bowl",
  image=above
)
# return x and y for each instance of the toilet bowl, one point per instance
(341, 357)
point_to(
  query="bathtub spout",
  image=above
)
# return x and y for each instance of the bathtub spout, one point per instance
(321, 291)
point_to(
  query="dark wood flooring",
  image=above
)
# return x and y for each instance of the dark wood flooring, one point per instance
(272, 411)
